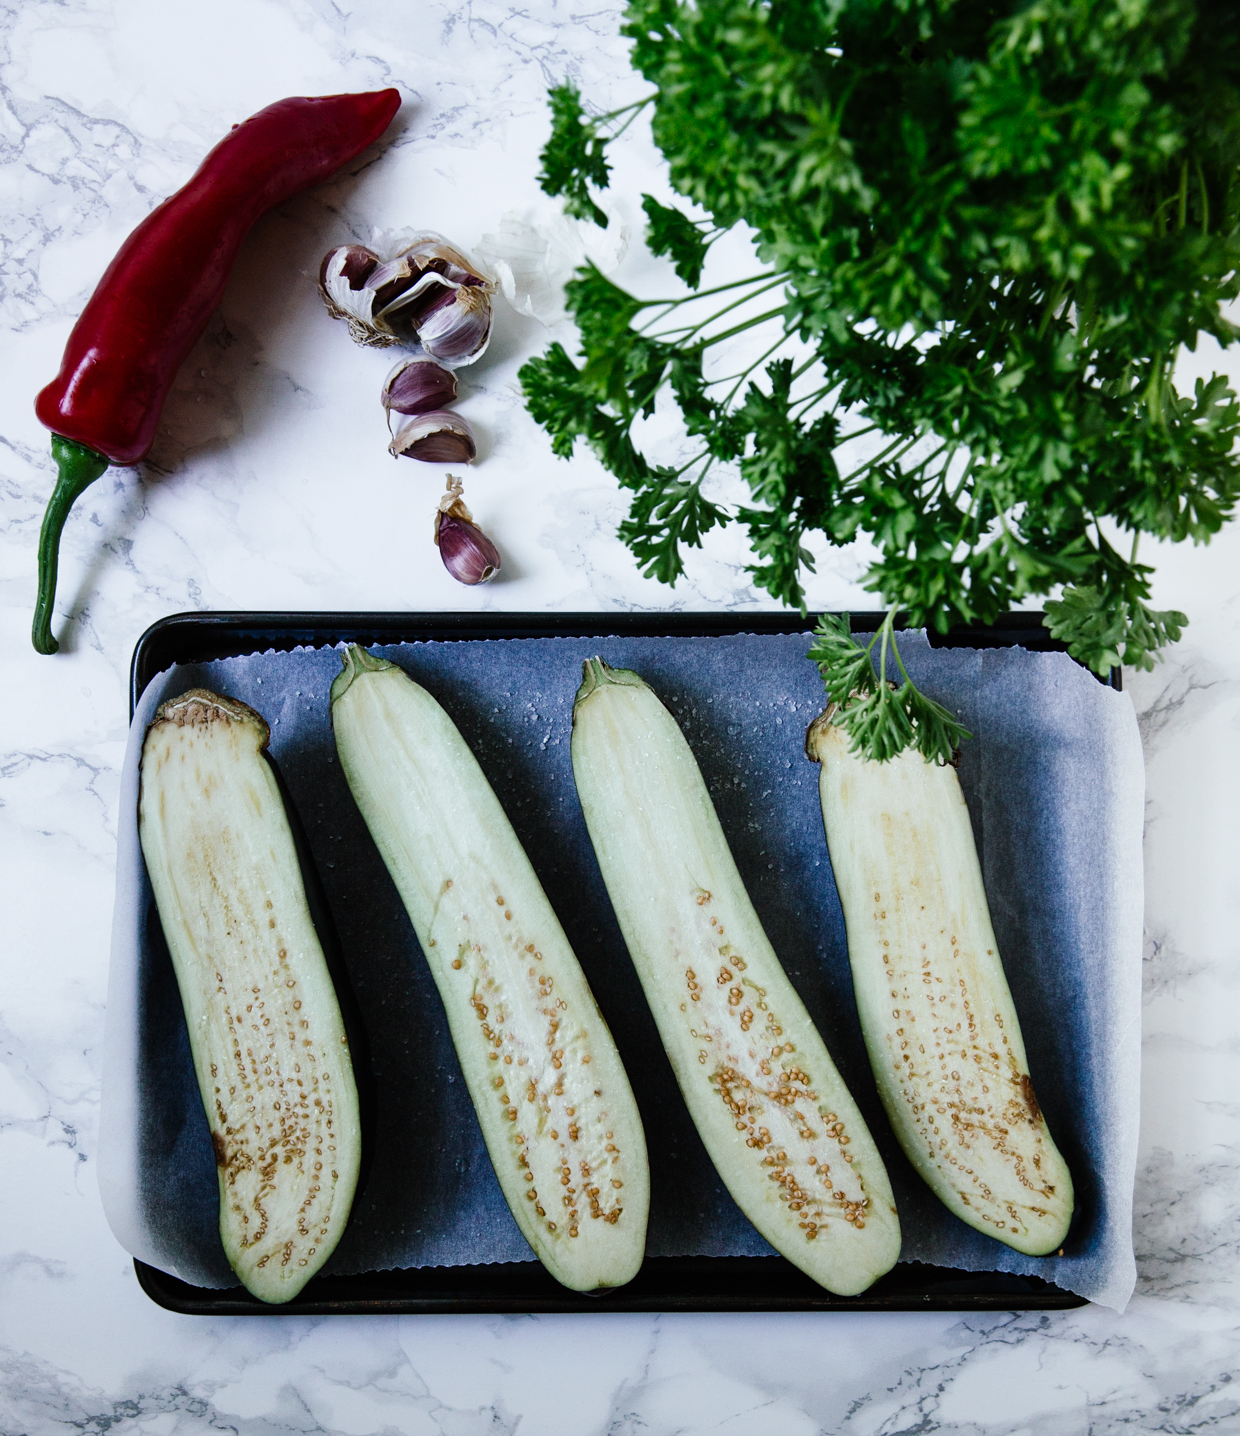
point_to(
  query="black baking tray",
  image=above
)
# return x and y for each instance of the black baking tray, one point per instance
(664, 1283)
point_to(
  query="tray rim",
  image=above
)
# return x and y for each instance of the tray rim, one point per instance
(1023, 627)
(229, 633)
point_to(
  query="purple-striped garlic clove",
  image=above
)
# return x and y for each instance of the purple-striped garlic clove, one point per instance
(436, 438)
(425, 276)
(343, 277)
(456, 326)
(468, 555)
(417, 386)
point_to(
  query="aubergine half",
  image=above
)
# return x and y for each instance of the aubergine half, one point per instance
(772, 1110)
(553, 1100)
(265, 1028)
(936, 1011)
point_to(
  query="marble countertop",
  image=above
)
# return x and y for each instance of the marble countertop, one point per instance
(269, 488)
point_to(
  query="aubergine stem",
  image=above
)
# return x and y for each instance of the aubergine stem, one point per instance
(77, 468)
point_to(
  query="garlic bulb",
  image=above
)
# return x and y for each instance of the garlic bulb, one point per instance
(427, 285)
(436, 438)
(468, 555)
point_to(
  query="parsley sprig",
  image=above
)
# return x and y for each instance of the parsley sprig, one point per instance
(881, 717)
(986, 231)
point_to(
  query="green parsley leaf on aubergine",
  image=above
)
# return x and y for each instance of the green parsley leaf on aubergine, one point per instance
(995, 226)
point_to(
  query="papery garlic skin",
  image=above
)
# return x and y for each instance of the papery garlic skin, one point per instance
(531, 262)
(343, 277)
(436, 438)
(468, 555)
(418, 385)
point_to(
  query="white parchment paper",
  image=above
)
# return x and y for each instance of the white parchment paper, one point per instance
(1055, 785)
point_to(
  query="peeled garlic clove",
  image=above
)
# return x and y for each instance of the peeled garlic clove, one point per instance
(437, 438)
(417, 386)
(456, 326)
(343, 277)
(468, 555)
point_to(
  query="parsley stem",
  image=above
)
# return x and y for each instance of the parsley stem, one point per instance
(895, 648)
(881, 455)
(706, 293)
(885, 632)
(746, 373)
(736, 304)
(964, 479)
(740, 328)
(1205, 199)
(808, 399)
(696, 459)
(856, 434)
(624, 110)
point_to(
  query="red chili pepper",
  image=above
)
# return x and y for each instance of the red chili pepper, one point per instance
(158, 293)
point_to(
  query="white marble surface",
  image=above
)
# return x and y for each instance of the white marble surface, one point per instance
(270, 488)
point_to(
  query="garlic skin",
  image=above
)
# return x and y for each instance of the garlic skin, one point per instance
(468, 555)
(418, 385)
(436, 438)
(427, 279)
(343, 277)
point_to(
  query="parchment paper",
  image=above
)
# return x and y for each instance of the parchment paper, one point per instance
(1055, 785)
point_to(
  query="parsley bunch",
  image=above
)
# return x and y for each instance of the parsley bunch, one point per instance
(991, 227)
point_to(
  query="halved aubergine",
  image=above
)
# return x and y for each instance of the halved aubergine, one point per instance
(268, 1042)
(773, 1112)
(937, 1013)
(553, 1101)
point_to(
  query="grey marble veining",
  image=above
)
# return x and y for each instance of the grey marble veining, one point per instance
(269, 486)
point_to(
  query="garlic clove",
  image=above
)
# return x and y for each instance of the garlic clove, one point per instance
(456, 327)
(432, 254)
(468, 555)
(430, 282)
(418, 386)
(436, 438)
(352, 263)
(343, 277)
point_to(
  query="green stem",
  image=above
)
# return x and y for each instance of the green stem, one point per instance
(856, 434)
(78, 467)
(705, 293)
(696, 459)
(727, 309)
(881, 455)
(745, 324)
(745, 373)
(624, 110)
(1205, 199)
(886, 634)
(964, 479)
(811, 398)
(895, 648)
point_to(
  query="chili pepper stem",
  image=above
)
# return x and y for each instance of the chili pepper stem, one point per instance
(78, 467)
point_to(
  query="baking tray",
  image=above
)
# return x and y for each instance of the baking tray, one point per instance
(687, 1283)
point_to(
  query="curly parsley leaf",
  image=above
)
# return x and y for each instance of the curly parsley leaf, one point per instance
(675, 235)
(880, 718)
(574, 158)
